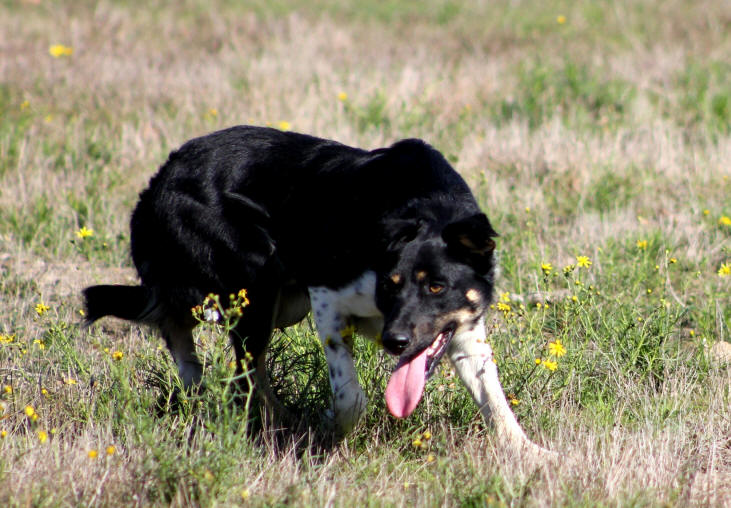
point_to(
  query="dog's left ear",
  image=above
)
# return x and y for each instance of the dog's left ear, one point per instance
(471, 241)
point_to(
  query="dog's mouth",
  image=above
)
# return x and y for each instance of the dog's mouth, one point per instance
(406, 385)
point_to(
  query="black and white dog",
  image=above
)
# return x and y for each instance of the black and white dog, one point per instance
(390, 243)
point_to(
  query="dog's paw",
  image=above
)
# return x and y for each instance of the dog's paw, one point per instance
(536, 452)
(328, 420)
(344, 419)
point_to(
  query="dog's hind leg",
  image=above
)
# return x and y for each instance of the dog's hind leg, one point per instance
(179, 339)
(472, 357)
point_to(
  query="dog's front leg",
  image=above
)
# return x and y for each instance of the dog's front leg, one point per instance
(349, 401)
(472, 357)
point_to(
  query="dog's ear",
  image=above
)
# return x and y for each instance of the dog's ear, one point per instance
(471, 241)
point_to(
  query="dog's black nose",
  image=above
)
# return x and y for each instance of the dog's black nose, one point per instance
(395, 342)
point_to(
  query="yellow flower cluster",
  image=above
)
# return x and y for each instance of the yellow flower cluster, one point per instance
(41, 308)
(421, 442)
(94, 453)
(555, 350)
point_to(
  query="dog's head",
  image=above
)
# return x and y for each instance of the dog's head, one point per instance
(434, 284)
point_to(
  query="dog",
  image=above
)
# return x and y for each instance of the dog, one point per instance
(389, 242)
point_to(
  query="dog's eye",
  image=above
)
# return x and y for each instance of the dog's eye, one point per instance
(435, 289)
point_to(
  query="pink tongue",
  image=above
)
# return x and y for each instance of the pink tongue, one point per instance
(406, 386)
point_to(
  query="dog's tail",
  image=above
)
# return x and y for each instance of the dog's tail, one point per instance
(133, 303)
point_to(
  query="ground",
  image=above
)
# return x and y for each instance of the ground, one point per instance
(595, 135)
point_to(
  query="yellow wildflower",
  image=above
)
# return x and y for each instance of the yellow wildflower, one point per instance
(547, 268)
(538, 361)
(42, 308)
(117, 355)
(725, 221)
(706, 212)
(29, 411)
(417, 443)
(70, 381)
(245, 494)
(560, 19)
(284, 125)
(93, 454)
(41, 345)
(642, 244)
(725, 270)
(505, 297)
(42, 436)
(8, 389)
(84, 232)
(342, 96)
(426, 435)
(6, 339)
(430, 458)
(503, 307)
(583, 261)
(550, 365)
(3, 434)
(556, 348)
(111, 449)
(514, 401)
(59, 50)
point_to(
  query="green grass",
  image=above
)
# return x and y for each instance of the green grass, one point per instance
(605, 135)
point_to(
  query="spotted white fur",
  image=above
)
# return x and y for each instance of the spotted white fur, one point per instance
(336, 311)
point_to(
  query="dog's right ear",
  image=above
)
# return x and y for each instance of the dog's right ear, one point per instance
(470, 240)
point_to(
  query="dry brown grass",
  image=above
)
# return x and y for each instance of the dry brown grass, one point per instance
(143, 79)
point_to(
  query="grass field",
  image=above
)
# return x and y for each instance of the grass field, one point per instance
(597, 137)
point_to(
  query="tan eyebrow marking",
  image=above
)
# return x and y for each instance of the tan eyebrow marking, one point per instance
(472, 295)
(420, 275)
(396, 278)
